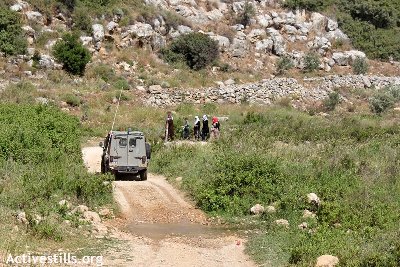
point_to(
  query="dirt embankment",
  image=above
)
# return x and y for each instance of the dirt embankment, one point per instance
(158, 227)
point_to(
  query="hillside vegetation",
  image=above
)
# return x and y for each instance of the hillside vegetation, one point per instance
(276, 157)
(372, 25)
(41, 165)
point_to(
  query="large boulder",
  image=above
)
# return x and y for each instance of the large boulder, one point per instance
(279, 45)
(239, 47)
(141, 30)
(336, 35)
(264, 20)
(257, 209)
(98, 32)
(318, 21)
(255, 34)
(331, 25)
(215, 15)
(348, 57)
(321, 44)
(34, 16)
(223, 42)
(46, 62)
(112, 26)
(265, 45)
(312, 198)
(327, 261)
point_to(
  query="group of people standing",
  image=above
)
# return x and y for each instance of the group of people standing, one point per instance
(204, 132)
(201, 129)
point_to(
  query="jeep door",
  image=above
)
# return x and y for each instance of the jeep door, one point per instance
(134, 155)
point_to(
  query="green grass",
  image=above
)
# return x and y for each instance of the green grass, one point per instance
(277, 157)
(41, 164)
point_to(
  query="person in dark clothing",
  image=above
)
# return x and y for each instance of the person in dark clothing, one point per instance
(196, 128)
(205, 130)
(169, 125)
(186, 130)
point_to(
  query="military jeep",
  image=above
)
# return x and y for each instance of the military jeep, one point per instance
(125, 153)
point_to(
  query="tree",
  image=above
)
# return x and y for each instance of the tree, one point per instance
(246, 15)
(12, 41)
(72, 54)
(197, 50)
(311, 62)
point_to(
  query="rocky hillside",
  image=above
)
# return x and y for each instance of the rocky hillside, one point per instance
(252, 36)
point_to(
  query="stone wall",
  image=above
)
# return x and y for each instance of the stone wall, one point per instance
(266, 91)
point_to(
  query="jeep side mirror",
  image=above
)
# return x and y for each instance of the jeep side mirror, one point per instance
(101, 144)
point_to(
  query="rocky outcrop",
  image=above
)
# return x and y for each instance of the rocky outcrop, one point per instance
(266, 91)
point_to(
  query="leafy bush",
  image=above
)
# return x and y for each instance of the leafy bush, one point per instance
(284, 63)
(104, 72)
(72, 54)
(12, 40)
(384, 99)
(311, 5)
(360, 66)
(197, 50)
(72, 100)
(332, 101)
(41, 163)
(81, 21)
(311, 62)
(122, 84)
(245, 16)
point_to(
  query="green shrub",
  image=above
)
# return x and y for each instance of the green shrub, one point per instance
(384, 99)
(104, 72)
(81, 20)
(12, 40)
(311, 5)
(332, 101)
(311, 62)
(70, 4)
(284, 63)
(122, 84)
(72, 100)
(197, 50)
(72, 54)
(173, 20)
(245, 16)
(360, 66)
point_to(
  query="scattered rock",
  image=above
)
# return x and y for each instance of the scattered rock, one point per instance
(105, 212)
(271, 209)
(303, 226)
(282, 222)
(178, 179)
(308, 214)
(34, 16)
(98, 32)
(229, 82)
(80, 209)
(257, 209)
(64, 203)
(313, 199)
(327, 261)
(91, 216)
(21, 217)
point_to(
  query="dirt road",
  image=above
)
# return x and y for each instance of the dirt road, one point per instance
(158, 227)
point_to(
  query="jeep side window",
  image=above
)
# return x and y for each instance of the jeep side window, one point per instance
(123, 142)
(132, 142)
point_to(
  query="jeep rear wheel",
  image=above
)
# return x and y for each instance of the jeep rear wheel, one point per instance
(143, 175)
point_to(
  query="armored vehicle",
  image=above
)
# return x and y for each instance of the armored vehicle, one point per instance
(125, 152)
